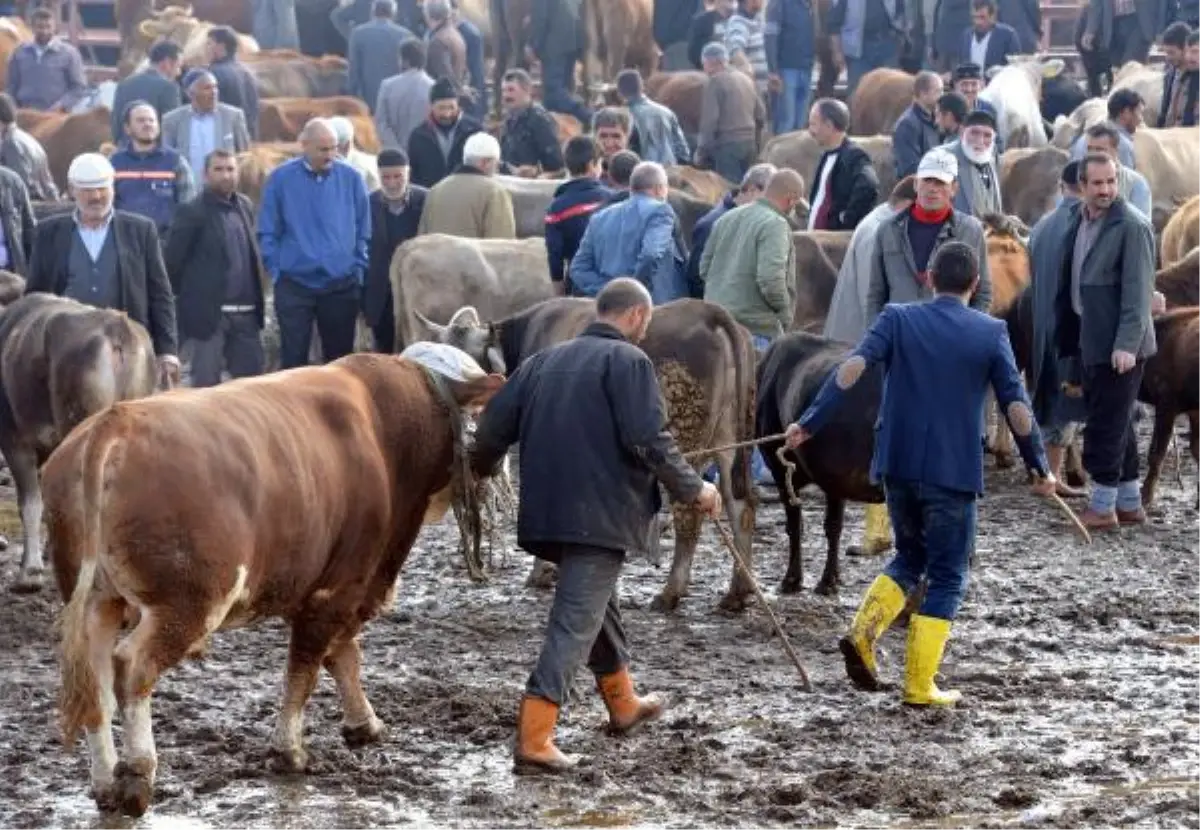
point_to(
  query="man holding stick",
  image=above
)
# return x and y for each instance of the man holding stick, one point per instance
(940, 357)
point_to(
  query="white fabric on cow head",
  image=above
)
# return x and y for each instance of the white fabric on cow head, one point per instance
(444, 360)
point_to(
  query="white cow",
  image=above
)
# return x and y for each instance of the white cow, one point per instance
(1016, 93)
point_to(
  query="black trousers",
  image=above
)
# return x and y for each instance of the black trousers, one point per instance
(1128, 43)
(335, 311)
(384, 332)
(1110, 452)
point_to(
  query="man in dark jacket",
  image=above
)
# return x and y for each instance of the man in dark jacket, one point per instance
(1125, 29)
(556, 37)
(672, 21)
(587, 412)
(157, 85)
(150, 180)
(529, 136)
(987, 42)
(1025, 16)
(708, 26)
(212, 258)
(575, 201)
(373, 52)
(916, 133)
(235, 85)
(106, 258)
(395, 215)
(16, 223)
(845, 186)
(1178, 105)
(790, 44)
(951, 18)
(435, 148)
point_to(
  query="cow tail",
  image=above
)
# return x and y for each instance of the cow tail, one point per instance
(743, 353)
(400, 311)
(79, 693)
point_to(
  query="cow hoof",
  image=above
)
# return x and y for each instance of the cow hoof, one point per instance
(1004, 462)
(106, 797)
(294, 759)
(826, 588)
(665, 603)
(791, 585)
(29, 582)
(133, 790)
(732, 603)
(365, 733)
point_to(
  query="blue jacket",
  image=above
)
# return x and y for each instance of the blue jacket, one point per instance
(939, 359)
(1004, 42)
(151, 184)
(915, 135)
(790, 38)
(634, 238)
(567, 218)
(314, 228)
(700, 233)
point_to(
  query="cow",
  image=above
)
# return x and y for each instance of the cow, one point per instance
(1061, 96)
(1029, 181)
(1147, 81)
(60, 361)
(620, 34)
(1170, 161)
(683, 94)
(174, 23)
(255, 164)
(64, 136)
(436, 274)
(13, 32)
(1181, 233)
(789, 377)
(282, 73)
(322, 478)
(1016, 92)
(704, 361)
(799, 151)
(1068, 128)
(12, 288)
(819, 256)
(707, 185)
(1179, 282)
(282, 119)
(129, 13)
(879, 100)
(1171, 384)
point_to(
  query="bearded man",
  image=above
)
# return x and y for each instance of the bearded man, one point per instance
(978, 182)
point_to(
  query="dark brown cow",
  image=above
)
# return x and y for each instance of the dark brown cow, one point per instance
(1029, 178)
(705, 363)
(1180, 282)
(297, 495)
(707, 185)
(282, 73)
(282, 119)
(819, 256)
(66, 136)
(683, 94)
(1171, 384)
(879, 100)
(60, 361)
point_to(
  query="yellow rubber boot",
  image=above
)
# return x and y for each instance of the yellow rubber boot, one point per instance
(878, 536)
(883, 602)
(927, 638)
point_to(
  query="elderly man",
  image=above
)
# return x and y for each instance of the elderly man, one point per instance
(656, 134)
(906, 242)
(1103, 270)
(588, 411)
(149, 179)
(237, 85)
(216, 273)
(364, 163)
(403, 102)
(372, 52)
(157, 85)
(633, 238)
(446, 51)
(206, 124)
(916, 133)
(575, 200)
(435, 147)
(107, 258)
(844, 186)
(529, 135)
(556, 38)
(22, 154)
(396, 209)
(753, 185)
(48, 73)
(313, 229)
(732, 117)
(978, 181)
(470, 202)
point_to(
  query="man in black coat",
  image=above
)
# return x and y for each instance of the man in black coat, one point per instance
(594, 448)
(157, 85)
(213, 261)
(235, 85)
(107, 258)
(435, 148)
(395, 215)
(1125, 29)
(16, 222)
(845, 185)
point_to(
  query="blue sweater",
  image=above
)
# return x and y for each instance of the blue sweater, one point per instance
(314, 228)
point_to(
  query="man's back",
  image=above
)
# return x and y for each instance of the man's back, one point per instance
(469, 204)
(747, 268)
(149, 86)
(616, 241)
(372, 54)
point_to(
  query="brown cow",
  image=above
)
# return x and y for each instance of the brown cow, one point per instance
(65, 136)
(705, 366)
(255, 164)
(707, 185)
(819, 256)
(683, 94)
(13, 32)
(621, 35)
(1180, 282)
(323, 477)
(799, 151)
(176, 23)
(1029, 178)
(60, 361)
(282, 119)
(1182, 232)
(1171, 384)
(282, 73)
(879, 100)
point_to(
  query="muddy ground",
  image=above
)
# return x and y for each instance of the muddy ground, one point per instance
(1078, 665)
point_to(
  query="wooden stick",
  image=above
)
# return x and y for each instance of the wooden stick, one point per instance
(1066, 508)
(727, 538)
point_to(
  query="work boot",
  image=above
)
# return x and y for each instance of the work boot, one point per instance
(1095, 520)
(883, 602)
(626, 711)
(927, 638)
(1055, 456)
(878, 536)
(535, 751)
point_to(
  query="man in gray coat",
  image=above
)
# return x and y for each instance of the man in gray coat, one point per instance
(374, 52)
(205, 125)
(978, 180)
(1102, 310)
(275, 24)
(907, 241)
(157, 85)
(403, 101)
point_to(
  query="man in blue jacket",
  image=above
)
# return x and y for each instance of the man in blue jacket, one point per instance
(790, 43)
(916, 132)
(149, 179)
(574, 202)
(940, 358)
(313, 230)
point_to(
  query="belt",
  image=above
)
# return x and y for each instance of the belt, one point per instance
(238, 309)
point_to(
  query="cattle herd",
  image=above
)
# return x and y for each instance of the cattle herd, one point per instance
(171, 516)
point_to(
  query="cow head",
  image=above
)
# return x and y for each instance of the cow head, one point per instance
(465, 331)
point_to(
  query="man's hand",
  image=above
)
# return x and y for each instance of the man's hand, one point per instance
(1088, 42)
(795, 436)
(709, 500)
(1044, 487)
(1122, 362)
(1158, 303)
(775, 82)
(168, 371)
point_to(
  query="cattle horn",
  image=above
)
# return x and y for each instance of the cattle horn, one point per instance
(147, 29)
(465, 317)
(1053, 68)
(436, 329)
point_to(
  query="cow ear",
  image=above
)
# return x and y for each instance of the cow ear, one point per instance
(435, 331)
(477, 392)
(1053, 68)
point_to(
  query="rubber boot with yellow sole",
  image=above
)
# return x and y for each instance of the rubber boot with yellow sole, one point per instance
(877, 539)
(535, 751)
(883, 602)
(626, 711)
(927, 638)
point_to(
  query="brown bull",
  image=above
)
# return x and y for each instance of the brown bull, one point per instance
(64, 136)
(879, 100)
(819, 256)
(282, 73)
(255, 164)
(621, 34)
(1180, 282)
(1182, 232)
(1171, 384)
(60, 361)
(683, 94)
(705, 366)
(297, 496)
(282, 119)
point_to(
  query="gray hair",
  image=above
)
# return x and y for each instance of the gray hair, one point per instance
(384, 8)
(315, 125)
(758, 176)
(201, 75)
(715, 52)
(437, 9)
(647, 176)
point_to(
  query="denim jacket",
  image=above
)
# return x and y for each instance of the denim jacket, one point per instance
(634, 238)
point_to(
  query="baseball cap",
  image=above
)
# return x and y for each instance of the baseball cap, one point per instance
(938, 164)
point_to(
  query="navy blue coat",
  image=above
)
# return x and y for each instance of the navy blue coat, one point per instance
(790, 37)
(700, 233)
(939, 359)
(915, 135)
(567, 218)
(1004, 42)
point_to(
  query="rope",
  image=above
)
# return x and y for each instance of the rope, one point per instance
(739, 445)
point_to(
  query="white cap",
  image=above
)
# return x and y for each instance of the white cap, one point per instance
(90, 170)
(938, 164)
(343, 129)
(444, 360)
(481, 146)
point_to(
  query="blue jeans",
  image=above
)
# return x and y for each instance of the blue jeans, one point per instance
(875, 55)
(791, 104)
(934, 528)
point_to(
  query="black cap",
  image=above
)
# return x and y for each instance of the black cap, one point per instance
(980, 118)
(392, 157)
(968, 72)
(442, 89)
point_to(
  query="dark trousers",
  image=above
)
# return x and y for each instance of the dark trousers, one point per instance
(1110, 453)
(934, 529)
(236, 345)
(1128, 43)
(384, 332)
(335, 311)
(558, 79)
(584, 623)
(732, 160)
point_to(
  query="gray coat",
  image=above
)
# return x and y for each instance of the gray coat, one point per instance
(16, 221)
(964, 199)
(402, 105)
(374, 55)
(21, 153)
(231, 133)
(847, 319)
(149, 86)
(275, 24)
(56, 79)
(894, 269)
(1045, 266)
